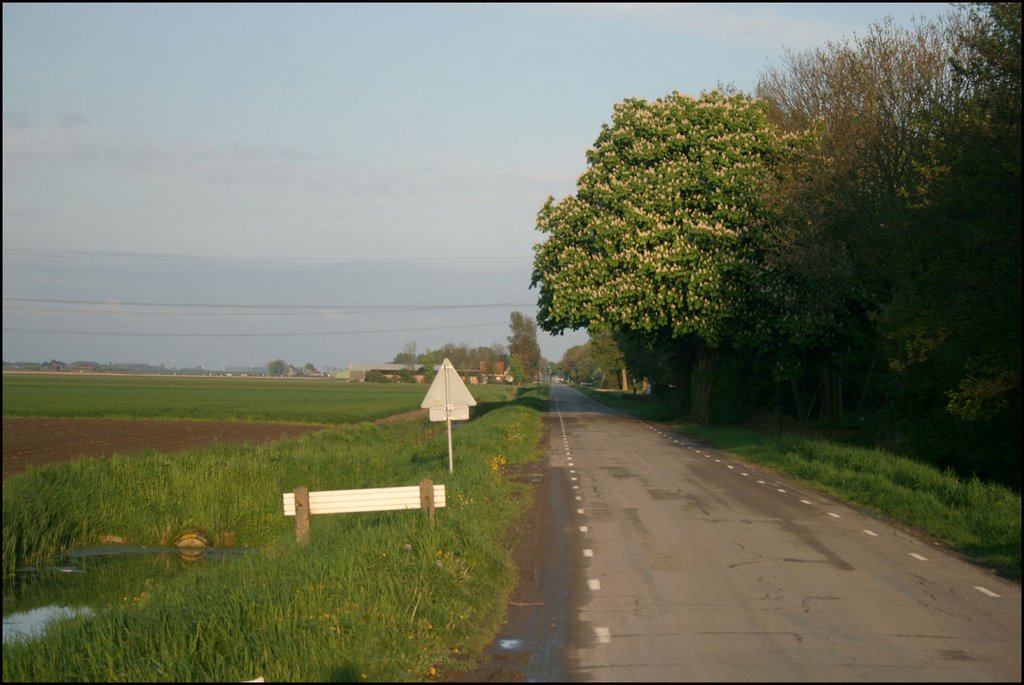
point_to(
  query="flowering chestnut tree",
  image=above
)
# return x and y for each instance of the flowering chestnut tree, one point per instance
(665, 234)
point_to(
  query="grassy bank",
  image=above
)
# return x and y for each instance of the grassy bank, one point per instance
(981, 520)
(379, 596)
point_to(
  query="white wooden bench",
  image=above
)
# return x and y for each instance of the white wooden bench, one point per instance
(302, 503)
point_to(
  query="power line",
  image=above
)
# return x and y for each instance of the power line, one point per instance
(287, 308)
(150, 256)
(250, 335)
(220, 314)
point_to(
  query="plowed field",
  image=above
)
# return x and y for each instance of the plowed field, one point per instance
(46, 441)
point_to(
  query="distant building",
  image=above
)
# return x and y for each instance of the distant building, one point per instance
(247, 370)
(357, 373)
(487, 373)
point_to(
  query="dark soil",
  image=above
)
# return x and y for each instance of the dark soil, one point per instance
(30, 441)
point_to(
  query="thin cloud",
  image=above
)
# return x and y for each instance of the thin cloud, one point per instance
(16, 120)
(74, 141)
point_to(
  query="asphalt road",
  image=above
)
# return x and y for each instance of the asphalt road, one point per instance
(696, 567)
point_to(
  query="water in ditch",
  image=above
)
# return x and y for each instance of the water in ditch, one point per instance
(87, 581)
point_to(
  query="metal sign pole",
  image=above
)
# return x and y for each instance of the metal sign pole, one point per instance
(448, 412)
(451, 468)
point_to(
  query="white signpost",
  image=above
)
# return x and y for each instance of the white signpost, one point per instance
(448, 400)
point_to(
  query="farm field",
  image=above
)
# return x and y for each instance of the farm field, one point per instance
(214, 398)
(39, 441)
(51, 418)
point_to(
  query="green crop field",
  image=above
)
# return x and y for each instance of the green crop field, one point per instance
(215, 398)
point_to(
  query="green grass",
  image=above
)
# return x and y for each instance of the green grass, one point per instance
(375, 596)
(981, 520)
(218, 398)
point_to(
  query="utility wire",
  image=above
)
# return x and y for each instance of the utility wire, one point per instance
(147, 256)
(324, 308)
(250, 335)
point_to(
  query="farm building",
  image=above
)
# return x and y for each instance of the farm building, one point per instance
(357, 373)
(492, 373)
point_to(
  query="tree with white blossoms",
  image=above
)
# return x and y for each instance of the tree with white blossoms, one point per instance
(665, 234)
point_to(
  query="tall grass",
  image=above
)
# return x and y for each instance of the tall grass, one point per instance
(375, 596)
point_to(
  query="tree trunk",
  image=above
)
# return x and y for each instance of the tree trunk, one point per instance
(707, 362)
(867, 384)
(798, 398)
(832, 394)
(625, 380)
(684, 364)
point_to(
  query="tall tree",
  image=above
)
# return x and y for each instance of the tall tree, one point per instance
(872, 101)
(902, 236)
(523, 346)
(953, 325)
(578, 363)
(407, 355)
(609, 359)
(664, 236)
(429, 359)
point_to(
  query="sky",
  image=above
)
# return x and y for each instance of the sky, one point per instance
(220, 185)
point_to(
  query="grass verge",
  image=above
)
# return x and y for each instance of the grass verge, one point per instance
(375, 597)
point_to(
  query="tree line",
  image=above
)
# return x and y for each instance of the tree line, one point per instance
(521, 358)
(844, 243)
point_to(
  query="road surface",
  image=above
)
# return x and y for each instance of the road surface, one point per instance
(687, 565)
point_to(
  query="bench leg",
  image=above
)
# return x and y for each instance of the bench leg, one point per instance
(427, 498)
(302, 515)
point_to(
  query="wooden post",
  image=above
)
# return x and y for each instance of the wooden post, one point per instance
(302, 515)
(427, 498)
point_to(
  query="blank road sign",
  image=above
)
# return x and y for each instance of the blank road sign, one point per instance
(448, 394)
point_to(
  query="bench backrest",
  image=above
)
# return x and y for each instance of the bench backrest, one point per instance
(369, 499)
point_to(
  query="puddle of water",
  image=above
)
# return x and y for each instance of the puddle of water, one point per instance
(124, 550)
(32, 623)
(83, 582)
(510, 645)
